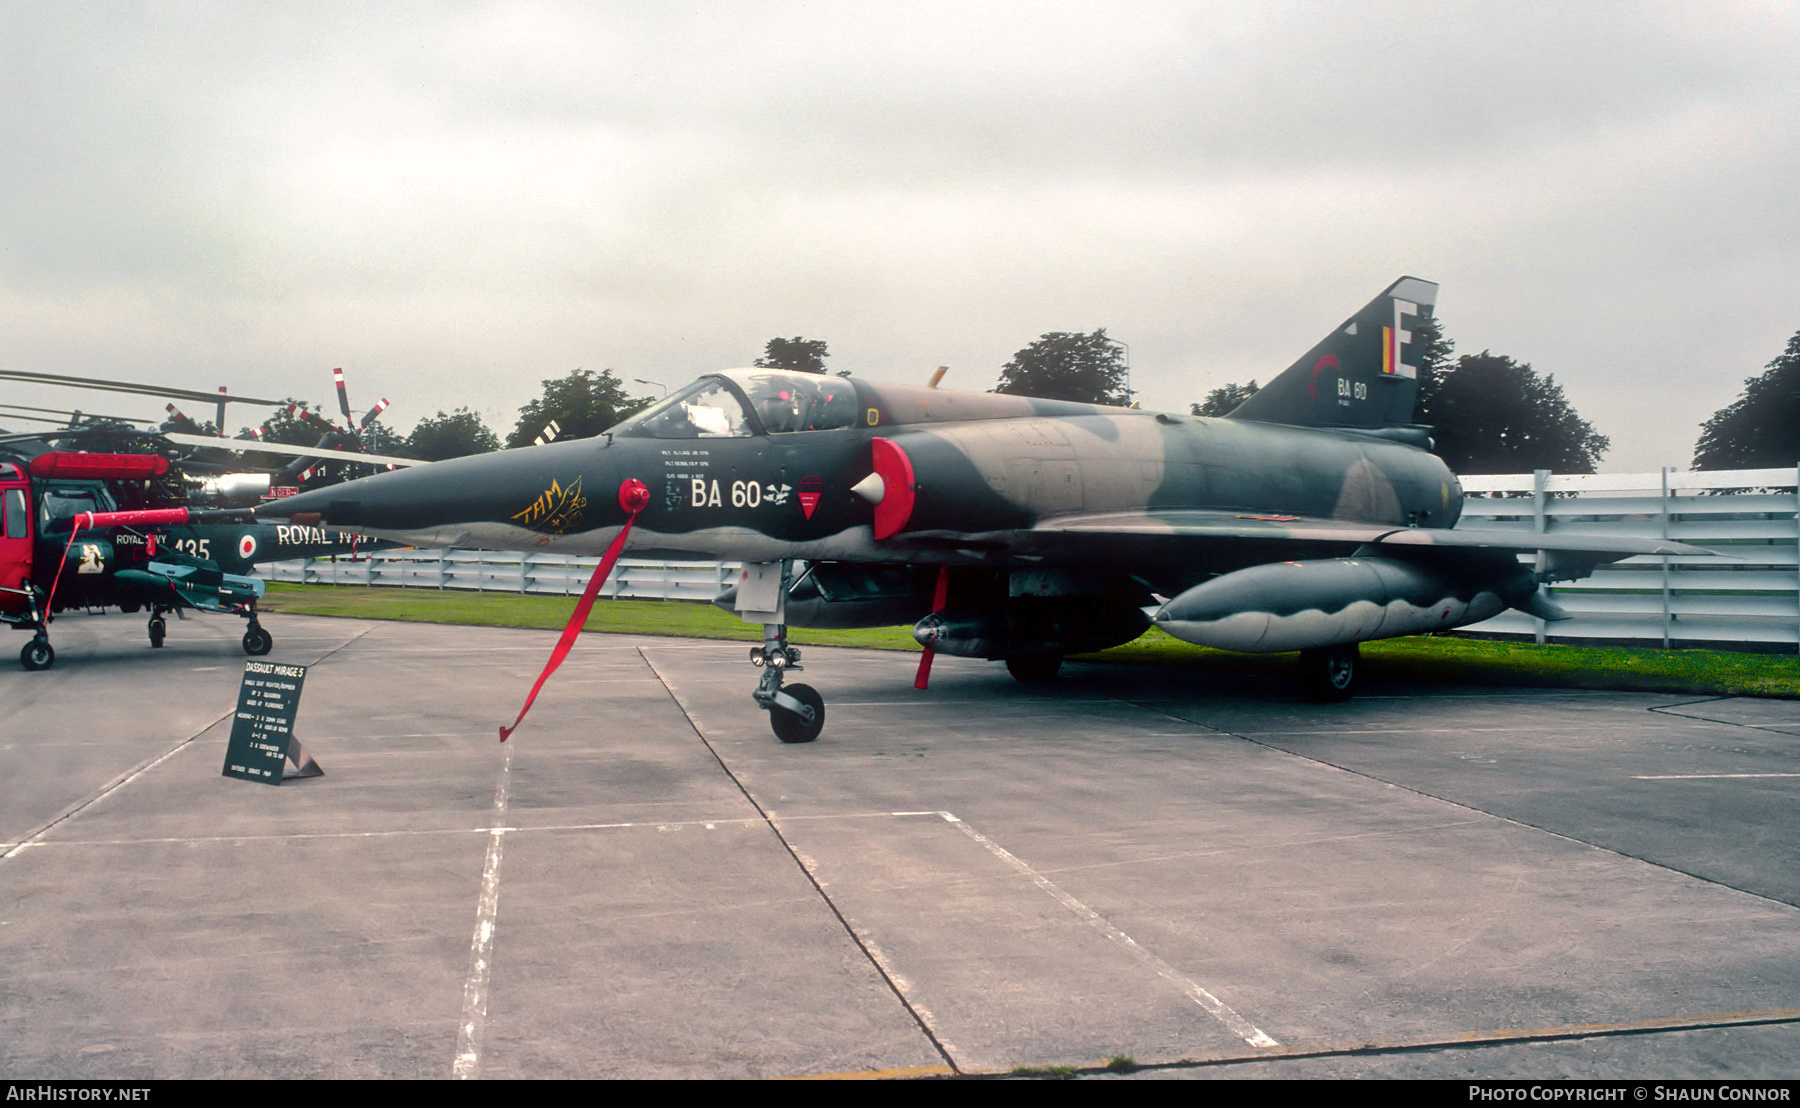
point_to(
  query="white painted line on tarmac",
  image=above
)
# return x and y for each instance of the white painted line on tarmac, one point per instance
(36, 838)
(1214, 1007)
(304, 836)
(486, 734)
(1521, 728)
(1706, 776)
(481, 949)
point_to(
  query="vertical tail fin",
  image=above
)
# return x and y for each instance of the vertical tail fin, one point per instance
(1364, 374)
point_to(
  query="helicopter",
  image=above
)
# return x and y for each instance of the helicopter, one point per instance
(101, 513)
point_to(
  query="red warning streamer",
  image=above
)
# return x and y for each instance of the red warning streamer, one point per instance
(634, 497)
(50, 602)
(938, 599)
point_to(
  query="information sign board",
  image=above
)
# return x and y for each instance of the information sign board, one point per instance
(262, 733)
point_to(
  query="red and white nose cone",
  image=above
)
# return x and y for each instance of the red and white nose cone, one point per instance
(895, 469)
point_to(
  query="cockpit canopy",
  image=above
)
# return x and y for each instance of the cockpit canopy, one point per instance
(63, 502)
(744, 402)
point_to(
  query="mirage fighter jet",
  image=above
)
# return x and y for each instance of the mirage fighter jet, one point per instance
(1312, 518)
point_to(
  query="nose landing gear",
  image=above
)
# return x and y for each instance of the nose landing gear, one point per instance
(37, 653)
(796, 713)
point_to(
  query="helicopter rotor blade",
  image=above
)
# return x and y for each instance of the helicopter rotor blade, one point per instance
(337, 377)
(104, 385)
(309, 452)
(379, 407)
(69, 415)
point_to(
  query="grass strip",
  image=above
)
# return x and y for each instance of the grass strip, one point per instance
(1426, 659)
(677, 618)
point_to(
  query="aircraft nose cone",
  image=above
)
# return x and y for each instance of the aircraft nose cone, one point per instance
(555, 490)
(387, 500)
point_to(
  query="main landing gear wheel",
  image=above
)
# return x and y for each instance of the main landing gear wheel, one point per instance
(157, 630)
(37, 655)
(1034, 669)
(794, 727)
(1330, 674)
(257, 641)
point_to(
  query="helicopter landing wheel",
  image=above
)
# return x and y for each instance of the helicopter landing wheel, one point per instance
(37, 655)
(793, 727)
(257, 641)
(157, 630)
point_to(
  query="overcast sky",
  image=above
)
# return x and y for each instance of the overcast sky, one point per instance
(454, 201)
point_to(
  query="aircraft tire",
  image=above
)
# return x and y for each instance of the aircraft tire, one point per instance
(790, 727)
(157, 630)
(258, 641)
(1034, 669)
(37, 655)
(1329, 675)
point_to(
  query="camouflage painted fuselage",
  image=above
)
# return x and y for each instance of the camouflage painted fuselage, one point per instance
(992, 476)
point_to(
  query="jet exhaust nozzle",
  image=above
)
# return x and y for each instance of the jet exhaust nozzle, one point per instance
(236, 488)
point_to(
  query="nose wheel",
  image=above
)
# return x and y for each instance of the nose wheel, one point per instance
(803, 723)
(797, 712)
(38, 655)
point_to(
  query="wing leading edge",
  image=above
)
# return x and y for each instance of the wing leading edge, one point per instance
(1203, 523)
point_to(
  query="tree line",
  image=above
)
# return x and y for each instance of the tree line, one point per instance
(1489, 413)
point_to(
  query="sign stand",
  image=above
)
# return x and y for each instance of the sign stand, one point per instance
(263, 746)
(299, 763)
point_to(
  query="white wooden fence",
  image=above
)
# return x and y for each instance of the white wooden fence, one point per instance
(1748, 597)
(1748, 594)
(498, 571)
